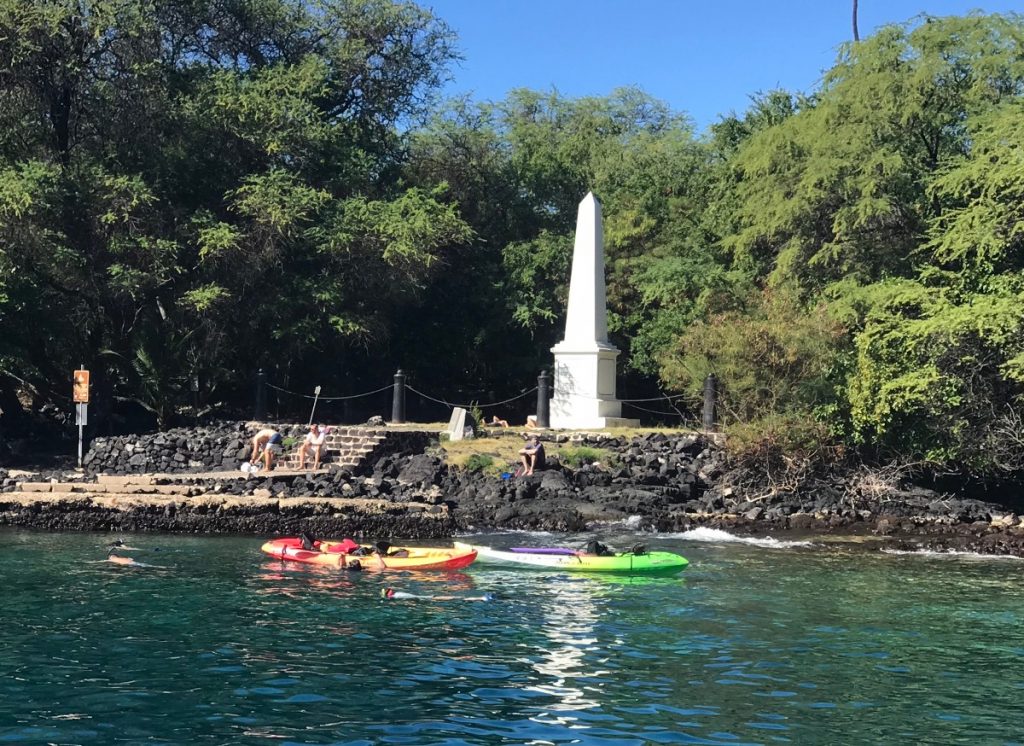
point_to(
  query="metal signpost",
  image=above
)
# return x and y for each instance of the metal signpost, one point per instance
(80, 395)
(316, 395)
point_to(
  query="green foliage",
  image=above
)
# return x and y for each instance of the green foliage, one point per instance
(839, 190)
(479, 462)
(268, 185)
(205, 298)
(778, 436)
(772, 355)
(933, 366)
(196, 193)
(477, 416)
(981, 232)
(577, 456)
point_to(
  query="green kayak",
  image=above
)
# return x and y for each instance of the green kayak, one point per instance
(573, 561)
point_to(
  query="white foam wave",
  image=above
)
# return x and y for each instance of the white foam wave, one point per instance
(718, 536)
(951, 553)
(503, 532)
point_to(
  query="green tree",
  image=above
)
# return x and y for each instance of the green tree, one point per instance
(840, 189)
(940, 359)
(215, 180)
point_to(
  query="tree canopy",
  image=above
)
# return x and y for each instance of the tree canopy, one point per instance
(193, 190)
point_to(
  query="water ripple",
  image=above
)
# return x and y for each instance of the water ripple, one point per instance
(748, 646)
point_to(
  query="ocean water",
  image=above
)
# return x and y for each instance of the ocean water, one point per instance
(757, 642)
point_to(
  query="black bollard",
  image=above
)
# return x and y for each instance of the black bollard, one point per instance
(543, 399)
(260, 415)
(398, 399)
(710, 399)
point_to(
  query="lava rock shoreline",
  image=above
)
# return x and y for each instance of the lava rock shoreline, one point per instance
(656, 483)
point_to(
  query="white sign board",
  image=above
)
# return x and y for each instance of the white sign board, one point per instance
(457, 424)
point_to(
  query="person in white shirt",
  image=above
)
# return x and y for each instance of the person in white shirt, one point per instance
(315, 441)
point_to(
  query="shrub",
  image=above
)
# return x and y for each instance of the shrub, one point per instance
(774, 356)
(479, 462)
(782, 450)
(578, 456)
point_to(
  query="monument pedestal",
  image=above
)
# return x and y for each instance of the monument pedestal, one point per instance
(585, 388)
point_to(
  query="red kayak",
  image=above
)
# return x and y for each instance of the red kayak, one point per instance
(339, 554)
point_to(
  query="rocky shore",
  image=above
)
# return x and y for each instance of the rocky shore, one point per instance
(655, 482)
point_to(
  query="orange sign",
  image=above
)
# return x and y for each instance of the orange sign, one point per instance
(81, 387)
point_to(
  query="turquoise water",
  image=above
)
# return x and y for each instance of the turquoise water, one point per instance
(217, 644)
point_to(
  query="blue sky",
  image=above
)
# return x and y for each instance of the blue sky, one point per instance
(702, 57)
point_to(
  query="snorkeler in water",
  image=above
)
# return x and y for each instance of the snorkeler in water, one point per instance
(126, 561)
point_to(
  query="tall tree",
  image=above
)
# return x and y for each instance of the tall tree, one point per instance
(193, 189)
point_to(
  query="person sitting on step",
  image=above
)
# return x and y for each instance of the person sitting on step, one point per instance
(314, 441)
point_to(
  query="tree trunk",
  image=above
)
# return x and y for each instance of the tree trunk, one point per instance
(856, 34)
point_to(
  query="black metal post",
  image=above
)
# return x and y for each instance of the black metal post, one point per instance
(398, 399)
(543, 396)
(260, 414)
(710, 399)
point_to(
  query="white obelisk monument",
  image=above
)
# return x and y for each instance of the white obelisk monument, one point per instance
(585, 361)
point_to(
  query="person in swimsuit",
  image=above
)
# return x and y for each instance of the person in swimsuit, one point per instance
(267, 443)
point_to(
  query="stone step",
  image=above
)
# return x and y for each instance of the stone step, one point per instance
(97, 488)
(262, 498)
(342, 459)
(346, 455)
(35, 486)
(347, 440)
(125, 479)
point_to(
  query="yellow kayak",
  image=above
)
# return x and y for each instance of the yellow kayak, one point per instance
(340, 553)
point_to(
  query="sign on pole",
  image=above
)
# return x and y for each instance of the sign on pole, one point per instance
(80, 395)
(80, 390)
(316, 396)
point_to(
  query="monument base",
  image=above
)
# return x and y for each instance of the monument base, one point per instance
(585, 388)
(586, 413)
(600, 423)
(621, 422)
